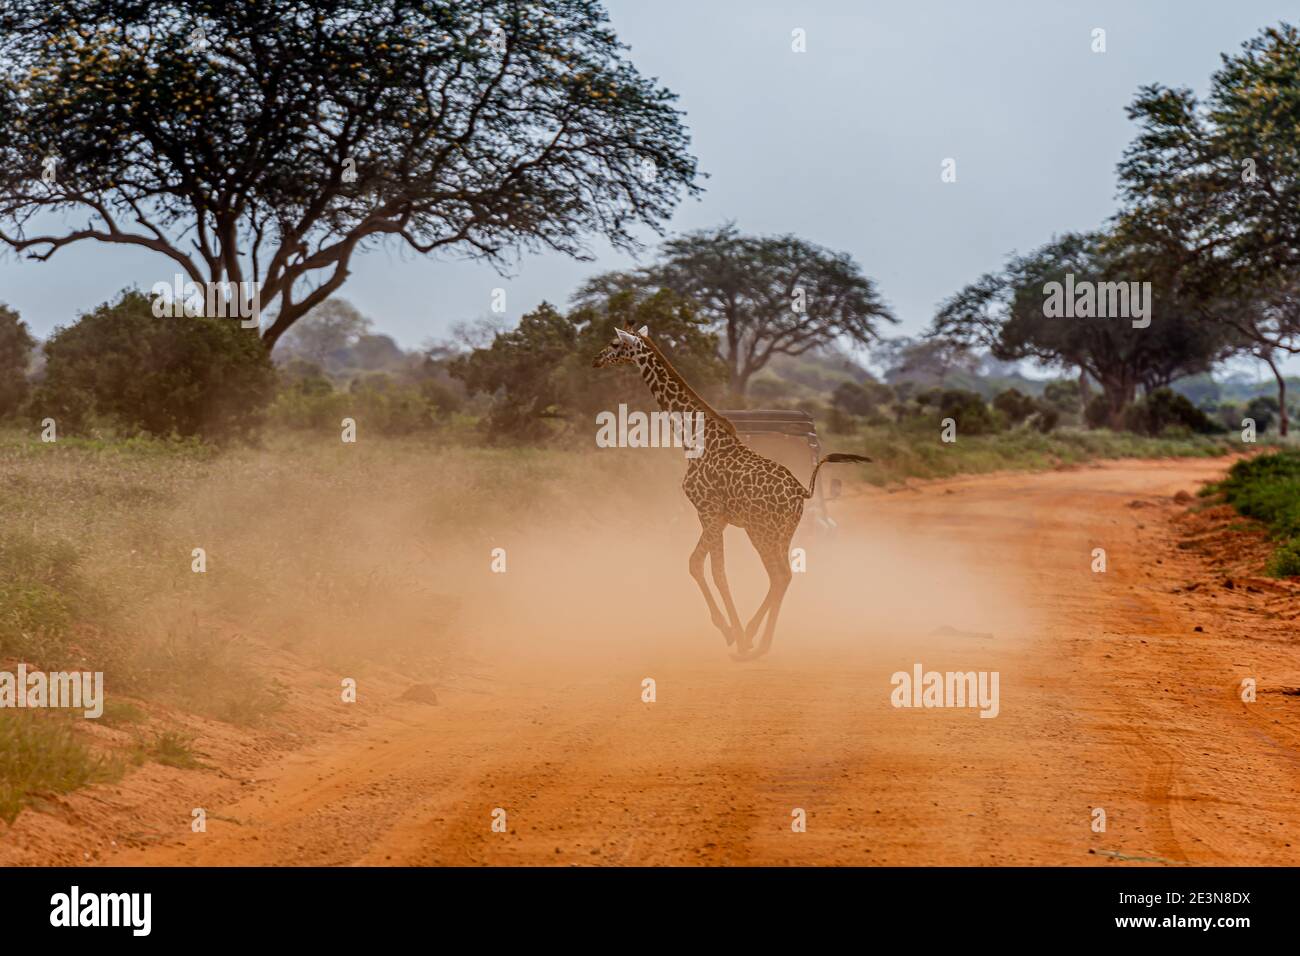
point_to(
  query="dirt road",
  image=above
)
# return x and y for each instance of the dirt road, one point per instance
(1119, 691)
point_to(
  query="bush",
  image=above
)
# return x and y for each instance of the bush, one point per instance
(1064, 396)
(1046, 419)
(1286, 560)
(441, 397)
(1165, 409)
(305, 376)
(378, 402)
(309, 409)
(41, 754)
(854, 399)
(43, 598)
(185, 376)
(1016, 408)
(15, 350)
(1014, 405)
(1264, 409)
(966, 408)
(841, 423)
(1096, 414)
(1267, 488)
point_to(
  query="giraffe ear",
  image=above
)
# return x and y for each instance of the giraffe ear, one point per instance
(644, 330)
(627, 338)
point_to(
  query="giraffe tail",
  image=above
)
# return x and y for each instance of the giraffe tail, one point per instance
(834, 459)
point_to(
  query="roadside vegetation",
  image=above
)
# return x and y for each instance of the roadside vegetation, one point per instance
(1267, 488)
(898, 456)
(42, 753)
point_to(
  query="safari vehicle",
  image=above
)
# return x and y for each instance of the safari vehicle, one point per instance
(790, 438)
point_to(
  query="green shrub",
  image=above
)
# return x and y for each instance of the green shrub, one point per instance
(1014, 405)
(172, 750)
(378, 402)
(40, 753)
(1064, 396)
(388, 407)
(1267, 488)
(1046, 419)
(308, 408)
(1264, 410)
(1096, 414)
(1165, 409)
(42, 598)
(1285, 562)
(186, 376)
(966, 408)
(852, 398)
(16, 345)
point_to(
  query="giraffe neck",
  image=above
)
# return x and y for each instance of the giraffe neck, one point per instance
(665, 385)
(674, 395)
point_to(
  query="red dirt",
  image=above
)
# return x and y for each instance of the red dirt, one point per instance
(1110, 697)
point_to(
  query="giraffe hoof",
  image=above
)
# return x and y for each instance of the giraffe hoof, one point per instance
(747, 653)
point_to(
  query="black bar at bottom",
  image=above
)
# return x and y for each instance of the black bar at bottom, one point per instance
(208, 906)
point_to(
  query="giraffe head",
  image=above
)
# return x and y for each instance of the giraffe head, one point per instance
(623, 350)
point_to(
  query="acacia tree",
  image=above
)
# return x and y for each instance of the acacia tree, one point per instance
(906, 358)
(1266, 318)
(269, 140)
(766, 295)
(332, 326)
(1220, 180)
(1004, 312)
(1215, 187)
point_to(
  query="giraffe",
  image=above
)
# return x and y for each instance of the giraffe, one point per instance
(729, 484)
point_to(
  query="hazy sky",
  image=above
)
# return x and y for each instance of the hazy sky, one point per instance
(841, 144)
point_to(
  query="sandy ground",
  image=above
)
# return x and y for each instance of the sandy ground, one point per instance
(1118, 690)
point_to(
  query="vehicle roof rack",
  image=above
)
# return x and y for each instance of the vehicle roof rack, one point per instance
(754, 421)
(767, 415)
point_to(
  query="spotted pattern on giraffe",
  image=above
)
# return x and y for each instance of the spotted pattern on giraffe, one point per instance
(729, 484)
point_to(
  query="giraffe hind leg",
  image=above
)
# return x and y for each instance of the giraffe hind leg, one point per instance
(775, 555)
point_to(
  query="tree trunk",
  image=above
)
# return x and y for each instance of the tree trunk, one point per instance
(1115, 419)
(1282, 422)
(1119, 396)
(739, 385)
